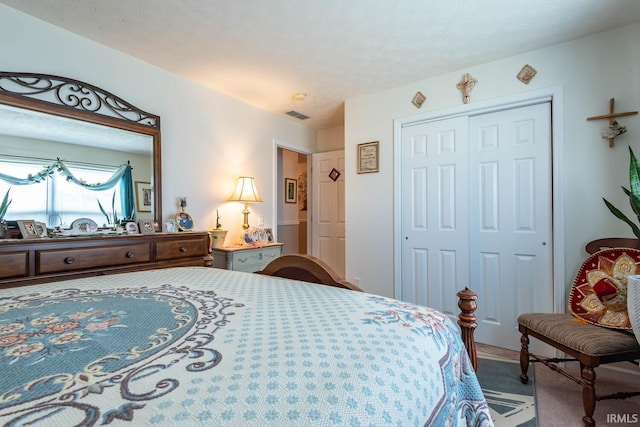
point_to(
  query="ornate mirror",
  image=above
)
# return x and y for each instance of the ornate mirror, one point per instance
(39, 109)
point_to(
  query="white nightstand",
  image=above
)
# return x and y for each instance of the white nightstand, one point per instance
(246, 258)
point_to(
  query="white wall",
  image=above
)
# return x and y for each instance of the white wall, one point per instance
(590, 70)
(208, 139)
(331, 139)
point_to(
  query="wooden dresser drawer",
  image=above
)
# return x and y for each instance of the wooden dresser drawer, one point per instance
(14, 264)
(55, 261)
(178, 249)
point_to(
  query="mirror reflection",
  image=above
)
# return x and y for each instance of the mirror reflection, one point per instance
(31, 141)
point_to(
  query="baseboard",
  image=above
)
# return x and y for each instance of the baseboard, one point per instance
(621, 371)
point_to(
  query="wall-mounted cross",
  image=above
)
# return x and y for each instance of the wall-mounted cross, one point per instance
(611, 116)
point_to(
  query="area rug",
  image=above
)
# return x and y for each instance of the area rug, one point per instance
(511, 403)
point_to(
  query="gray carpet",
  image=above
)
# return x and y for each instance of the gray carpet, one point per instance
(511, 402)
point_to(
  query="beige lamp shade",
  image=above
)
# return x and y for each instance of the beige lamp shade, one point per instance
(245, 192)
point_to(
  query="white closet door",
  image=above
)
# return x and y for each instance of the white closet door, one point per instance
(476, 211)
(511, 219)
(435, 224)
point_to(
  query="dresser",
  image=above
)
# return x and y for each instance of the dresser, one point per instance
(246, 258)
(26, 261)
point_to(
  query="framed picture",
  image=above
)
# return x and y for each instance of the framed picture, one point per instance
(334, 174)
(28, 229)
(184, 221)
(131, 227)
(144, 195)
(41, 227)
(146, 226)
(290, 190)
(170, 226)
(368, 158)
(269, 235)
(156, 227)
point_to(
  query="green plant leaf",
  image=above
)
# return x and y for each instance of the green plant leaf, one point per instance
(5, 204)
(623, 217)
(634, 181)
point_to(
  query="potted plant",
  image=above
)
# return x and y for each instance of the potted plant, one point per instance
(633, 192)
(218, 234)
(112, 221)
(3, 211)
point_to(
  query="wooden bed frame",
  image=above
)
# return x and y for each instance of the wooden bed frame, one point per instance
(310, 269)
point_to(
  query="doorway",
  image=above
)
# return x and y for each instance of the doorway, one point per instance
(292, 206)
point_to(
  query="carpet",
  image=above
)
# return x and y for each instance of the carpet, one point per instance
(511, 403)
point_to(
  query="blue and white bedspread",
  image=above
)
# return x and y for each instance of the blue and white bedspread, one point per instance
(207, 347)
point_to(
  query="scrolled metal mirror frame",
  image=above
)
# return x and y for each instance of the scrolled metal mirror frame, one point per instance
(73, 99)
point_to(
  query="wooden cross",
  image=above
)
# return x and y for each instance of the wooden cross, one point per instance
(611, 116)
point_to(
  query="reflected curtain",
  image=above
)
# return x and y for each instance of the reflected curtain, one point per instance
(126, 195)
(122, 175)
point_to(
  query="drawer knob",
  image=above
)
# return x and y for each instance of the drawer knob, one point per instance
(183, 249)
(130, 254)
(69, 260)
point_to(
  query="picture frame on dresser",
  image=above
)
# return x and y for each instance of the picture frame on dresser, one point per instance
(170, 226)
(131, 228)
(41, 227)
(28, 228)
(146, 226)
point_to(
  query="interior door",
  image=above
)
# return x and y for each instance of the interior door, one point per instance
(510, 239)
(434, 213)
(327, 210)
(476, 211)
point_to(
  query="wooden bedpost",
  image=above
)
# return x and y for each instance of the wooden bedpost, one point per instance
(467, 322)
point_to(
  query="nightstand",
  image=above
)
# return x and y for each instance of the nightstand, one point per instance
(246, 258)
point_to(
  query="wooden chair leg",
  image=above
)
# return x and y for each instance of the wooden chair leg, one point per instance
(588, 394)
(524, 357)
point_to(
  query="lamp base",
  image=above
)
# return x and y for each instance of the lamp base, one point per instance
(246, 213)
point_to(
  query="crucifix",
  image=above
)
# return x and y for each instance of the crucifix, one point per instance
(613, 124)
(466, 85)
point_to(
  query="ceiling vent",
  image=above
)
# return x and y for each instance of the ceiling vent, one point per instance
(297, 115)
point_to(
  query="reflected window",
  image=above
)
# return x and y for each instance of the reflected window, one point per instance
(56, 201)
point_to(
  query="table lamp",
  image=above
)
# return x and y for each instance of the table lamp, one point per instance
(245, 192)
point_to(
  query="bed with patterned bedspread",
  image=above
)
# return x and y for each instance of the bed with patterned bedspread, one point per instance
(205, 347)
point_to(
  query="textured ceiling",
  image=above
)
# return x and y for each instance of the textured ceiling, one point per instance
(263, 52)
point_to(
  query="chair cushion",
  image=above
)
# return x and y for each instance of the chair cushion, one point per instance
(581, 337)
(599, 291)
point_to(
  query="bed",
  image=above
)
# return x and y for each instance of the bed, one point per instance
(197, 346)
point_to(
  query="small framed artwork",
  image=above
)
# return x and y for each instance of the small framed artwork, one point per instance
(184, 221)
(131, 227)
(334, 174)
(290, 190)
(368, 157)
(418, 99)
(144, 195)
(269, 235)
(146, 226)
(41, 227)
(156, 227)
(170, 226)
(247, 238)
(28, 229)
